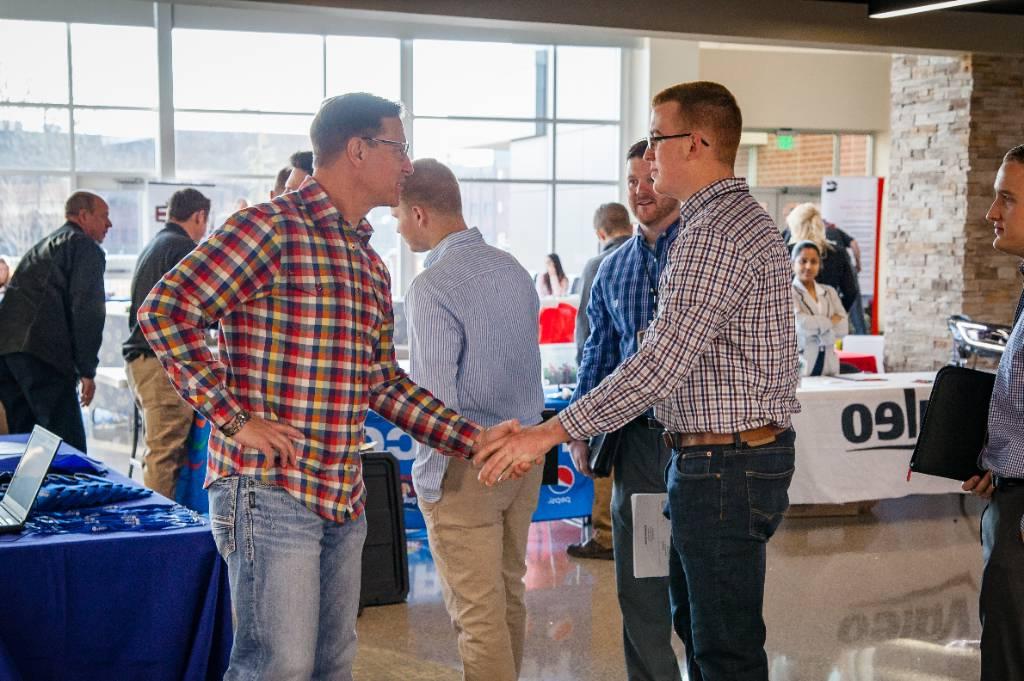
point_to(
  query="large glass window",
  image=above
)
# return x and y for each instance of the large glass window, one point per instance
(237, 143)
(235, 70)
(498, 150)
(468, 128)
(532, 131)
(44, 44)
(108, 140)
(62, 130)
(574, 222)
(356, 64)
(589, 83)
(34, 138)
(508, 80)
(114, 65)
(30, 207)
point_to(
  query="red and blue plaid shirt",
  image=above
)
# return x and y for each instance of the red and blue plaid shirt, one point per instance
(306, 338)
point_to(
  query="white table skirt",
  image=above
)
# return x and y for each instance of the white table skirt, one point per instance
(855, 435)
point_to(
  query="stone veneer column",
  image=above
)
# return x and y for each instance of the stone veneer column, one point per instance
(953, 118)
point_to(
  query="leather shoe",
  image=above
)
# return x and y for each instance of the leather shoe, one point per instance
(590, 549)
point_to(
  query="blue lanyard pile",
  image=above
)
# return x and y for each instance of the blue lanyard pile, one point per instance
(81, 490)
(147, 518)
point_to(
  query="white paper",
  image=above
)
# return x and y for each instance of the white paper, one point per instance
(651, 536)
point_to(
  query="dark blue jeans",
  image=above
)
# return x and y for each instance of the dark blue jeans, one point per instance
(725, 503)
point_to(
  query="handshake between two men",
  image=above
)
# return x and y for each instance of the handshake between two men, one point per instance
(505, 451)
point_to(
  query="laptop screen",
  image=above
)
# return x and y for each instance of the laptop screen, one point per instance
(28, 477)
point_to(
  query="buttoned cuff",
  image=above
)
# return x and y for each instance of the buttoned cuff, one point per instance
(220, 407)
(465, 434)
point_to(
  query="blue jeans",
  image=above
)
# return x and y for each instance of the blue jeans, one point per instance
(725, 502)
(294, 579)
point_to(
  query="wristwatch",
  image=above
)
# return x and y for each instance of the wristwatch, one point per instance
(232, 427)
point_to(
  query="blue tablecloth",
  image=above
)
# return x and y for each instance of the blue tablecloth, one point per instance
(128, 605)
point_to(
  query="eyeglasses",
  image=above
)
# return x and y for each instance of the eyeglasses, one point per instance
(654, 140)
(403, 147)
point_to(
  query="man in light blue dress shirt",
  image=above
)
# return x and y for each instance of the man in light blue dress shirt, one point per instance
(1002, 526)
(473, 330)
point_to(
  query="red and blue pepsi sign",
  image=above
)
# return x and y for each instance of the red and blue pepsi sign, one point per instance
(572, 497)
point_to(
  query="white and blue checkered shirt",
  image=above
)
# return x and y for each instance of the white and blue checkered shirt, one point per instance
(1004, 452)
(473, 328)
(721, 355)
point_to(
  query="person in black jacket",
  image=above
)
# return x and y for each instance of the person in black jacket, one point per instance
(806, 224)
(167, 417)
(51, 324)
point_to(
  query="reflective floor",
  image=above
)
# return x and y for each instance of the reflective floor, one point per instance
(887, 595)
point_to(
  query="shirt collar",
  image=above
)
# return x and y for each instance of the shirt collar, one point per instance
(695, 203)
(615, 243)
(325, 214)
(450, 242)
(175, 228)
(663, 238)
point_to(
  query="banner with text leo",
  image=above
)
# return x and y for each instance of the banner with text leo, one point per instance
(572, 497)
(854, 439)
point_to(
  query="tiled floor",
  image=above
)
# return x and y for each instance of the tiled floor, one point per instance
(890, 595)
(886, 596)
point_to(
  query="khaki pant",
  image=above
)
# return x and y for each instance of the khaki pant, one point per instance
(601, 513)
(478, 537)
(166, 420)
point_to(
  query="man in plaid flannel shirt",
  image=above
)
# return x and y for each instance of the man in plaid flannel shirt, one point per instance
(305, 349)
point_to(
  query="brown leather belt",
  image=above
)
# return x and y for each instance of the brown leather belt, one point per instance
(752, 438)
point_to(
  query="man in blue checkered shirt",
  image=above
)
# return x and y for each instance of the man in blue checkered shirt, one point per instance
(623, 301)
(1002, 525)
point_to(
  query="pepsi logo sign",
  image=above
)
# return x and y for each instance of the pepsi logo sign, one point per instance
(566, 480)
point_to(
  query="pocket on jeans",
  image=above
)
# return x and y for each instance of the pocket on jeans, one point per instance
(768, 479)
(223, 501)
(694, 465)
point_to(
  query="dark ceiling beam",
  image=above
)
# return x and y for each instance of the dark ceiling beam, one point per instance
(810, 22)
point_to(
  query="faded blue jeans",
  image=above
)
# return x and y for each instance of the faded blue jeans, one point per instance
(294, 579)
(725, 503)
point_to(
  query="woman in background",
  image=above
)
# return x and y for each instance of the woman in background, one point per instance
(820, 316)
(553, 282)
(806, 224)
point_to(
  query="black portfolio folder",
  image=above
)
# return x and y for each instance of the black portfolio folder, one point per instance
(955, 424)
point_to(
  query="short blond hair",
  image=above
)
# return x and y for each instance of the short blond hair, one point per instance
(432, 185)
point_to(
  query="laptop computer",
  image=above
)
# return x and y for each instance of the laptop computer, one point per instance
(28, 478)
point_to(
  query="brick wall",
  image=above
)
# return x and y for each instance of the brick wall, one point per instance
(802, 166)
(952, 119)
(991, 281)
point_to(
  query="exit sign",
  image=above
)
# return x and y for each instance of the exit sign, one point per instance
(784, 142)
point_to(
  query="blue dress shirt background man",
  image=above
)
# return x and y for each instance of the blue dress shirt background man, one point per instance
(1002, 524)
(622, 304)
(473, 317)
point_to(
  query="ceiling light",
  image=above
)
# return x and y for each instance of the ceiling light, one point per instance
(887, 9)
